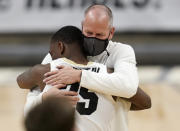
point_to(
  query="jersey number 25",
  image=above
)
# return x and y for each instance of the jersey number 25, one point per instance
(85, 94)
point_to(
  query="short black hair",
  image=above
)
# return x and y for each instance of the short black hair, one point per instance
(68, 35)
(51, 115)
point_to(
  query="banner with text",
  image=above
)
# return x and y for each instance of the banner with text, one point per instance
(49, 15)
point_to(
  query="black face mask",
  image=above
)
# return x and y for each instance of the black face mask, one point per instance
(94, 46)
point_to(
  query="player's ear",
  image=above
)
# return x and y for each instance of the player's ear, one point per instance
(61, 47)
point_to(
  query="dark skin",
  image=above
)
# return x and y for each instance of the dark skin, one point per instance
(139, 101)
(34, 76)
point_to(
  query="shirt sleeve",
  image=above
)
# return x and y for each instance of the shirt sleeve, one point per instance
(33, 98)
(123, 82)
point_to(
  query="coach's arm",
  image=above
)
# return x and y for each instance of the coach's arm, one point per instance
(123, 82)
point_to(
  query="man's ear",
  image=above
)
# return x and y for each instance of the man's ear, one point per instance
(112, 33)
(82, 22)
(61, 47)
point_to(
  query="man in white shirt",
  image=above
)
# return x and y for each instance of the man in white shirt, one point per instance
(98, 31)
(67, 42)
(97, 26)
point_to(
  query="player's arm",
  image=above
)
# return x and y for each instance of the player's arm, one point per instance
(33, 77)
(139, 101)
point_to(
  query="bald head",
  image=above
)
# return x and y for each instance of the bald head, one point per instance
(100, 12)
(97, 22)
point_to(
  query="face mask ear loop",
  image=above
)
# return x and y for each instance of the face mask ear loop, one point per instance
(106, 48)
(108, 36)
(107, 52)
(104, 62)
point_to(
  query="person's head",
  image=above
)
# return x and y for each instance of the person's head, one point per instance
(97, 28)
(51, 115)
(98, 22)
(65, 42)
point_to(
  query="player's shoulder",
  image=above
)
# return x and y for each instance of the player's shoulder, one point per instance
(57, 62)
(120, 49)
(63, 61)
(114, 46)
(47, 59)
(97, 64)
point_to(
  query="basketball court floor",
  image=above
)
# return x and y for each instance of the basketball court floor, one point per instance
(162, 84)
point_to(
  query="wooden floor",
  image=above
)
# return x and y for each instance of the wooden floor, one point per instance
(163, 116)
(11, 108)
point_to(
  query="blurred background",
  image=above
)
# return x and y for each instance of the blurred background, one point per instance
(151, 27)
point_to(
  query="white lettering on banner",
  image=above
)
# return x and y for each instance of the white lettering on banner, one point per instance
(49, 15)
